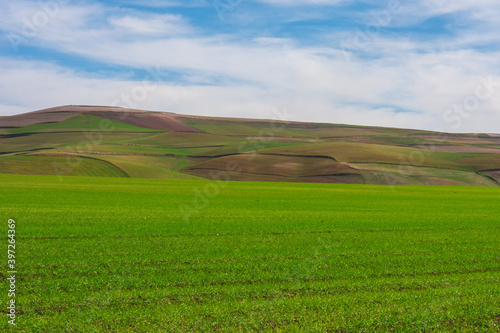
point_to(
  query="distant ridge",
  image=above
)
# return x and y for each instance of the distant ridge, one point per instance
(151, 144)
(166, 121)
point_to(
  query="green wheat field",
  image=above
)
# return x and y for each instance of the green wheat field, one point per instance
(149, 255)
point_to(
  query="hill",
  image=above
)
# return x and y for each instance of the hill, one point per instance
(117, 142)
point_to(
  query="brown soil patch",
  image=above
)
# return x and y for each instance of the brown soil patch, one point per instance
(274, 166)
(494, 175)
(159, 121)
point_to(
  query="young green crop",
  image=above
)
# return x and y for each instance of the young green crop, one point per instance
(118, 255)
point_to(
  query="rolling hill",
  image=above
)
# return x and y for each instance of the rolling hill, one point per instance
(117, 142)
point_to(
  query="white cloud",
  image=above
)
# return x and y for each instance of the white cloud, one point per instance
(439, 7)
(392, 81)
(150, 25)
(165, 3)
(470, 14)
(303, 2)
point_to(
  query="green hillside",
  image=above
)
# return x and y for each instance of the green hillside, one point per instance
(68, 165)
(80, 123)
(241, 149)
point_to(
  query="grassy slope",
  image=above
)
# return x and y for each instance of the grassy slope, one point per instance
(237, 127)
(394, 156)
(372, 153)
(59, 165)
(104, 255)
(149, 166)
(382, 146)
(79, 123)
(410, 175)
(69, 141)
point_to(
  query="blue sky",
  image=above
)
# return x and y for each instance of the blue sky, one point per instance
(415, 64)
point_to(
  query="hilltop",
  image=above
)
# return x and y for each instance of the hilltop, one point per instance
(118, 142)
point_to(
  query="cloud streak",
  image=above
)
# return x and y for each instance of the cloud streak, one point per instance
(403, 77)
